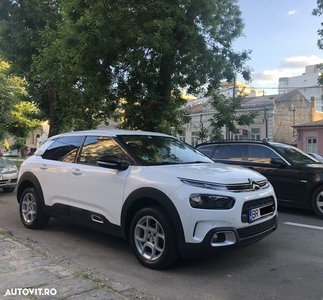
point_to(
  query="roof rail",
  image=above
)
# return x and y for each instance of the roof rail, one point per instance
(263, 141)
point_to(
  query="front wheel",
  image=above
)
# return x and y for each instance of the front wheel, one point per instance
(317, 201)
(30, 210)
(153, 238)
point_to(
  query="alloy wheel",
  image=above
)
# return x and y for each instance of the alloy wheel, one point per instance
(29, 208)
(149, 238)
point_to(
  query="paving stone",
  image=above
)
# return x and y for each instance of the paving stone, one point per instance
(28, 271)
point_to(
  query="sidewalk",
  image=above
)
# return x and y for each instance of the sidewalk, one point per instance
(28, 271)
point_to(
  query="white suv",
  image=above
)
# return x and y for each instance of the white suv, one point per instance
(166, 197)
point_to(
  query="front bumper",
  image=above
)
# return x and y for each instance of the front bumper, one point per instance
(8, 180)
(235, 237)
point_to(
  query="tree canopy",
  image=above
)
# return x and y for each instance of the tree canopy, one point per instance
(318, 11)
(229, 113)
(12, 90)
(88, 61)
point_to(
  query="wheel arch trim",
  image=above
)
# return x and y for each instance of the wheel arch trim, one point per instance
(26, 180)
(156, 196)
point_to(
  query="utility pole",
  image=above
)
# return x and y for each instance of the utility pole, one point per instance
(227, 132)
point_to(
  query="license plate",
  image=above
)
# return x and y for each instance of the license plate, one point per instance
(254, 214)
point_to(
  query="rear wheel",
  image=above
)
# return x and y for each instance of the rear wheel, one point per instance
(153, 238)
(317, 201)
(30, 210)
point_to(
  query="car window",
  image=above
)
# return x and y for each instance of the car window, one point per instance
(97, 146)
(230, 152)
(207, 150)
(155, 150)
(63, 149)
(295, 154)
(261, 154)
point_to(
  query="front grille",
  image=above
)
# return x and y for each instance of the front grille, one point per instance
(267, 203)
(257, 230)
(4, 182)
(249, 186)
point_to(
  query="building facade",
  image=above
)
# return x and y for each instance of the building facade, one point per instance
(276, 116)
(307, 84)
(310, 137)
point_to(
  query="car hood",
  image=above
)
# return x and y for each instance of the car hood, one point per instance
(211, 172)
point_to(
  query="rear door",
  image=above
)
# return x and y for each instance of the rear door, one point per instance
(96, 193)
(52, 168)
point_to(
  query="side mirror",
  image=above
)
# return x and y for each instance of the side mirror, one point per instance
(278, 161)
(113, 162)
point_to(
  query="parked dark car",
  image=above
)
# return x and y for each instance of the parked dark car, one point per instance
(296, 176)
(316, 156)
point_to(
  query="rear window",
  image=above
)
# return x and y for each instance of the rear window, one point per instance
(260, 154)
(63, 149)
(229, 152)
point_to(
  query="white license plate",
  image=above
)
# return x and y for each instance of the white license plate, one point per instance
(254, 214)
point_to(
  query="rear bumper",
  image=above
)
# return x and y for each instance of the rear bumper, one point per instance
(243, 236)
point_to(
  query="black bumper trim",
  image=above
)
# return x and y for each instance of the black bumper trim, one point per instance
(249, 234)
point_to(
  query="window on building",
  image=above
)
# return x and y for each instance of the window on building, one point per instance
(312, 145)
(241, 135)
(255, 134)
(194, 139)
(238, 137)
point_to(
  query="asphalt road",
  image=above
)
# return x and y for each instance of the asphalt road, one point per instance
(286, 265)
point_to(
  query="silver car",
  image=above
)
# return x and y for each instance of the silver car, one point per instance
(8, 175)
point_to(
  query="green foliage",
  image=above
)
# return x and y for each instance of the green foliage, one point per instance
(318, 11)
(86, 61)
(19, 144)
(229, 113)
(25, 118)
(12, 90)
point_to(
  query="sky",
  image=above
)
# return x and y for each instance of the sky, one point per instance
(282, 35)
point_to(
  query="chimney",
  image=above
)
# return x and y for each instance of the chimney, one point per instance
(313, 112)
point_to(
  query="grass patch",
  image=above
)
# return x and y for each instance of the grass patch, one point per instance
(6, 233)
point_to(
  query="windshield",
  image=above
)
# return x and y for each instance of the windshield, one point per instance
(295, 154)
(155, 150)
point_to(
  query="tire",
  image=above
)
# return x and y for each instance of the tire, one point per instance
(8, 190)
(30, 211)
(317, 201)
(153, 238)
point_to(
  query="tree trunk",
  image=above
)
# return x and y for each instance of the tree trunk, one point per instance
(51, 96)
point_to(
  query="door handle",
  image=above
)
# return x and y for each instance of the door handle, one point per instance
(76, 172)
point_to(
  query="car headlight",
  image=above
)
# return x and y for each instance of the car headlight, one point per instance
(205, 201)
(10, 168)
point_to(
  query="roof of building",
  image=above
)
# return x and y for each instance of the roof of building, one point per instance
(258, 101)
(318, 123)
